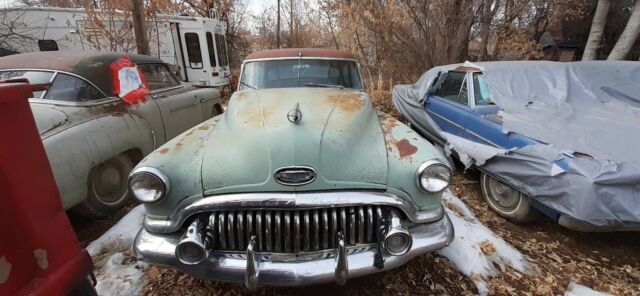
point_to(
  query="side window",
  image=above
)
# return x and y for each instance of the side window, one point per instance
(193, 50)
(454, 88)
(72, 89)
(221, 46)
(158, 76)
(211, 49)
(481, 90)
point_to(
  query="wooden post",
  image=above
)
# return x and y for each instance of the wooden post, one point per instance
(139, 27)
(278, 27)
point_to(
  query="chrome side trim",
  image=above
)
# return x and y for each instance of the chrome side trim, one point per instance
(461, 127)
(293, 200)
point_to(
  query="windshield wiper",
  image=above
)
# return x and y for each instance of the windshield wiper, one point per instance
(324, 85)
(247, 85)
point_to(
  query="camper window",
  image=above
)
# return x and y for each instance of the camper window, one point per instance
(158, 76)
(193, 50)
(47, 45)
(211, 49)
(222, 51)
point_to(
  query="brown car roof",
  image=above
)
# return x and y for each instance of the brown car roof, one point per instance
(306, 52)
(93, 66)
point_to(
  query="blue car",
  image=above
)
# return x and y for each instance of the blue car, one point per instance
(522, 176)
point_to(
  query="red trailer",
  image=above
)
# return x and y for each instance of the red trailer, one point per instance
(39, 253)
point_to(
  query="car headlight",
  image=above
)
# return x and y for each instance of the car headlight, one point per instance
(148, 184)
(433, 176)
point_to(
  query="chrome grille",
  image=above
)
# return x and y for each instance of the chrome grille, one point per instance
(293, 231)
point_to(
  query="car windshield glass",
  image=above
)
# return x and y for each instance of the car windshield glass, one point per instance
(481, 90)
(301, 73)
(34, 77)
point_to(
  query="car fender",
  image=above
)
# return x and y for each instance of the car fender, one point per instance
(74, 151)
(406, 151)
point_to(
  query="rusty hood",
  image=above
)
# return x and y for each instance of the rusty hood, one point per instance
(339, 135)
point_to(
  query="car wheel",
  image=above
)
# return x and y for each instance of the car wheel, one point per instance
(108, 187)
(507, 201)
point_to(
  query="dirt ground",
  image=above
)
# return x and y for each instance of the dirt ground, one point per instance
(608, 262)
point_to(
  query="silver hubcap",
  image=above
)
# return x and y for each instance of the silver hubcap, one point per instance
(109, 183)
(504, 196)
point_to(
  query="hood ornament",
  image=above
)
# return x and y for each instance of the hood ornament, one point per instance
(294, 115)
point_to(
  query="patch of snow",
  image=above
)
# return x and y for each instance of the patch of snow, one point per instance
(579, 290)
(476, 251)
(123, 233)
(116, 268)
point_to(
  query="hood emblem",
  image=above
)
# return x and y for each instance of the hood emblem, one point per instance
(295, 175)
(294, 115)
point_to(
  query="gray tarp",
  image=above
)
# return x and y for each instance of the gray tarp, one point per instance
(588, 112)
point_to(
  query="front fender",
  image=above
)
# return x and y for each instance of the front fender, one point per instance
(72, 152)
(181, 160)
(406, 151)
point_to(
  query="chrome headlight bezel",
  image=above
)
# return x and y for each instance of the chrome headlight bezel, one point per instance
(424, 168)
(152, 173)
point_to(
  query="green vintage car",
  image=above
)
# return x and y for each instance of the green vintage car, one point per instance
(299, 182)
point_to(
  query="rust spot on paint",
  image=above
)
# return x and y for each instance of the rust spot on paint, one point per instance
(203, 127)
(350, 102)
(163, 150)
(405, 148)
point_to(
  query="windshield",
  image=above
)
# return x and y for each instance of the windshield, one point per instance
(481, 90)
(34, 77)
(300, 73)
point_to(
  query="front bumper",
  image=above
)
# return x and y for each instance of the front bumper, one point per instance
(160, 249)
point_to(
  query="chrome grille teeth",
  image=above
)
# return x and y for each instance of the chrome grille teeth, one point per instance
(293, 231)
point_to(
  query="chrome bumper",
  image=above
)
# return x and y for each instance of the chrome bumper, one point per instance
(160, 249)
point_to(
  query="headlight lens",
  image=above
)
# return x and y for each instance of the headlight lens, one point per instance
(148, 185)
(433, 176)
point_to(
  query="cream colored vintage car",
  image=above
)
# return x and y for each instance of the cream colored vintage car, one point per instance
(92, 137)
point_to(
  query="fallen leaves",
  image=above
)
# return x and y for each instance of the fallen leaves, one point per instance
(487, 248)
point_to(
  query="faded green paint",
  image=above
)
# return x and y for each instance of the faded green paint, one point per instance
(350, 145)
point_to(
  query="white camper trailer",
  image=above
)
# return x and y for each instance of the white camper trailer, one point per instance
(196, 45)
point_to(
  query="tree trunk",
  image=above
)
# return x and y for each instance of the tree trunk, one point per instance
(139, 27)
(628, 37)
(597, 29)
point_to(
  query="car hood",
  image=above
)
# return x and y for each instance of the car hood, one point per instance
(339, 136)
(48, 118)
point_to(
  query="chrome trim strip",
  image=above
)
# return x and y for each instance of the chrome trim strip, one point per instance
(168, 88)
(292, 200)
(183, 106)
(160, 249)
(461, 127)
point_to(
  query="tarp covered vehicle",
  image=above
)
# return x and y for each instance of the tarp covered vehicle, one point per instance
(561, 138)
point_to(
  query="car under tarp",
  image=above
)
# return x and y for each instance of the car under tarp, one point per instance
(585, 120)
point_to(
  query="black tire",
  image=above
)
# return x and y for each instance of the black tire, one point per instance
(507, 201)
(108, 188)
(84, 288)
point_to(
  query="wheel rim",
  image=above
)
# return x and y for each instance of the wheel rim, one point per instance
(502, 195)
(109, 182)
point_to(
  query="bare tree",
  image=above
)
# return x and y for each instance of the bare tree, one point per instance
(597, 30)
(628, 37)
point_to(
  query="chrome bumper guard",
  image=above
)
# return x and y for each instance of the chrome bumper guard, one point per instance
(253, 270)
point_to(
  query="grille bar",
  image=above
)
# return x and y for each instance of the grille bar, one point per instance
(292, 231)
